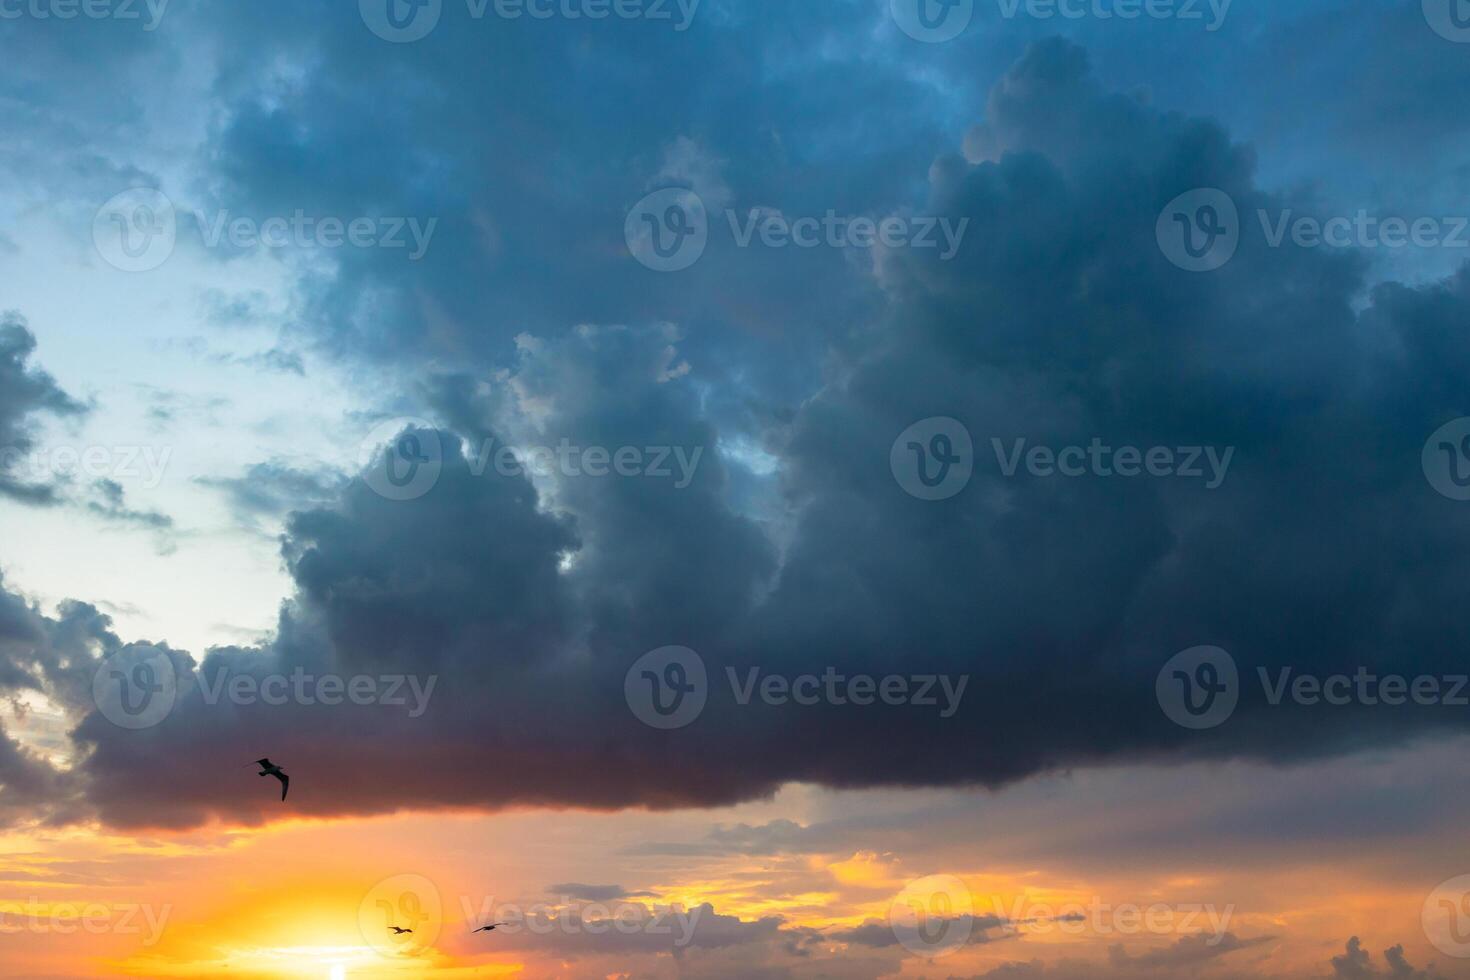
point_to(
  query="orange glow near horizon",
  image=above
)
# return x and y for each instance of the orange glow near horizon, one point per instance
(311, 900)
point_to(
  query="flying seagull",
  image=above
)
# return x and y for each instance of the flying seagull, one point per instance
(398, 931)
(267, 768)
(492, 927)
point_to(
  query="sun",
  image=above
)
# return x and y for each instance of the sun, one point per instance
(338, 972)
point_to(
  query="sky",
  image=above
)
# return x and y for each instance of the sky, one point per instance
(734, 489)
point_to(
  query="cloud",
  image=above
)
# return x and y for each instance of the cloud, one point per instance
(527, 597)
(1356, 963)
(109, 504)
(272, 490)
(594, 893)
(25, 392)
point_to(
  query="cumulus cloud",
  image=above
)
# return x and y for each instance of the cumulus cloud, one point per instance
(526, 597)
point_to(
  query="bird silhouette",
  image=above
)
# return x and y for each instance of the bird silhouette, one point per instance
(492, 927)
(268, 768)
(398, 931)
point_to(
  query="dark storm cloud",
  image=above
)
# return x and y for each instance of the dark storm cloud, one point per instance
(1059, 321)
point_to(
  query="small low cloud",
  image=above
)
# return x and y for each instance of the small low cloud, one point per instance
(595, 893)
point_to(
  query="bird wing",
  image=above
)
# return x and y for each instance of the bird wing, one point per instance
(263, 762)
(285, 783)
